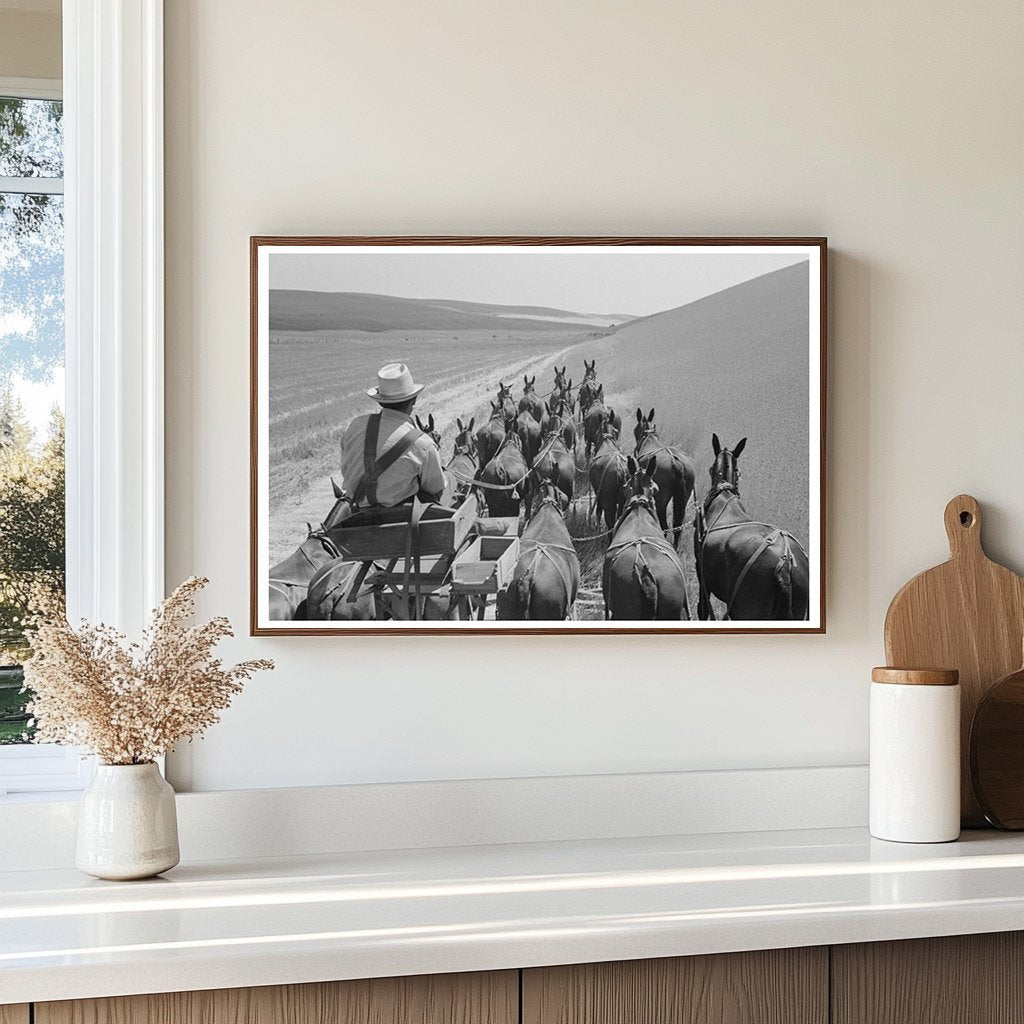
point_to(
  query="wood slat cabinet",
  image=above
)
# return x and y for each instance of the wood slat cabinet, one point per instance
(972, 979)
(777, 986)
(482, 998)
(962, 979)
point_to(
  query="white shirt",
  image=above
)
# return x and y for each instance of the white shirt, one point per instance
(418, 469)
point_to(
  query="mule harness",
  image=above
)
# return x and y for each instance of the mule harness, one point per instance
(775, 533)
(461, 453)
(329, 546)
(658, 543)
(506, 487)
(655, 452)
(544, 548)
(615, 456)
(640, 559)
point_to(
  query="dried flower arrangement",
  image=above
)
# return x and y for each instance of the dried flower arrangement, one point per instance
(130, 703)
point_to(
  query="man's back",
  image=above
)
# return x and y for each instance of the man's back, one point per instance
(417, 470)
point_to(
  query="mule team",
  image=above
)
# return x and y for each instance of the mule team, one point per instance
(523, 457)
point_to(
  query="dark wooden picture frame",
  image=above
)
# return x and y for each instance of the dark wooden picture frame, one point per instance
(261, 625)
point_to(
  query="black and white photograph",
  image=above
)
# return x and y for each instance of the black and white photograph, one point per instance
(537, 435)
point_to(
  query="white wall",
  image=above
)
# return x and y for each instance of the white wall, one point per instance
(895, 129)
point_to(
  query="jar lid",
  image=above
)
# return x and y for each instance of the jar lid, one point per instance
(916, 676)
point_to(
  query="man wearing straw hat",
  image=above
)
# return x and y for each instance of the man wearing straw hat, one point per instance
(385, 459)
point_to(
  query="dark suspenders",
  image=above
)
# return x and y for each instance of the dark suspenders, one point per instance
(374, 468)
(366, 489)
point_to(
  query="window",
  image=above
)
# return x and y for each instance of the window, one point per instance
(32, 532)
(112, 212)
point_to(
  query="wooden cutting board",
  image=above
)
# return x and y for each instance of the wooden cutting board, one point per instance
(967, 614)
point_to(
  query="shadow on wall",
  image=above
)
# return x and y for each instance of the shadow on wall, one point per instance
(853, 286)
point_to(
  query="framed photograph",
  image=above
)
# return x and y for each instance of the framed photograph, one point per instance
(537, 435)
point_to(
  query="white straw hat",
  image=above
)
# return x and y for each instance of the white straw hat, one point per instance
(394, 385)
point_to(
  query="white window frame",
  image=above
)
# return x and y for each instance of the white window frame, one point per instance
(114, 325)
(31, 89)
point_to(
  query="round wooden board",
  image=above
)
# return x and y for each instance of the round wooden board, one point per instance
(997, 752)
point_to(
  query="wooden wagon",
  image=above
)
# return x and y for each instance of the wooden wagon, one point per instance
(451, 565)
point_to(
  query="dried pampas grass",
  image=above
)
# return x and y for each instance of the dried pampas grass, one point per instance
(129, 703)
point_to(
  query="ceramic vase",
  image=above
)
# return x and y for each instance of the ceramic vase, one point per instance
(127, 825)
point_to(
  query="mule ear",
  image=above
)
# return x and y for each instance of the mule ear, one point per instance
(431, 422)
(651, 417)
(736, 451)
(334, 487)
(651, 467)
(639, 417)
(526, 380)
(458, 423)
(471, 422)
(716, 445)
(632, 465)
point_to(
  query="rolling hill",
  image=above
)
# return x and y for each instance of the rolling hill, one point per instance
(735, 363)
(296, 310)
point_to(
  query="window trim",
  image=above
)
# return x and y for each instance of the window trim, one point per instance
(32, 88)
(112, 91)
(114, 320)
(42, 768)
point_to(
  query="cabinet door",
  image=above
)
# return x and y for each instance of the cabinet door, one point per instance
(14, 1014)
(962, 979)
(779, 986)
(490, 998)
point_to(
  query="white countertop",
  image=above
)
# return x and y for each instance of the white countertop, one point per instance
(297, 919)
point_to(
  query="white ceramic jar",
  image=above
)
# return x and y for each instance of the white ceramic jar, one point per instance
(127, 823)
(915, 755)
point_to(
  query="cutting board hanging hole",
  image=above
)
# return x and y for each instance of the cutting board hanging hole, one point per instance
(963, 526)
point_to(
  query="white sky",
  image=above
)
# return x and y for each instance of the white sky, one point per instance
(616, 282)
(38, 400)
